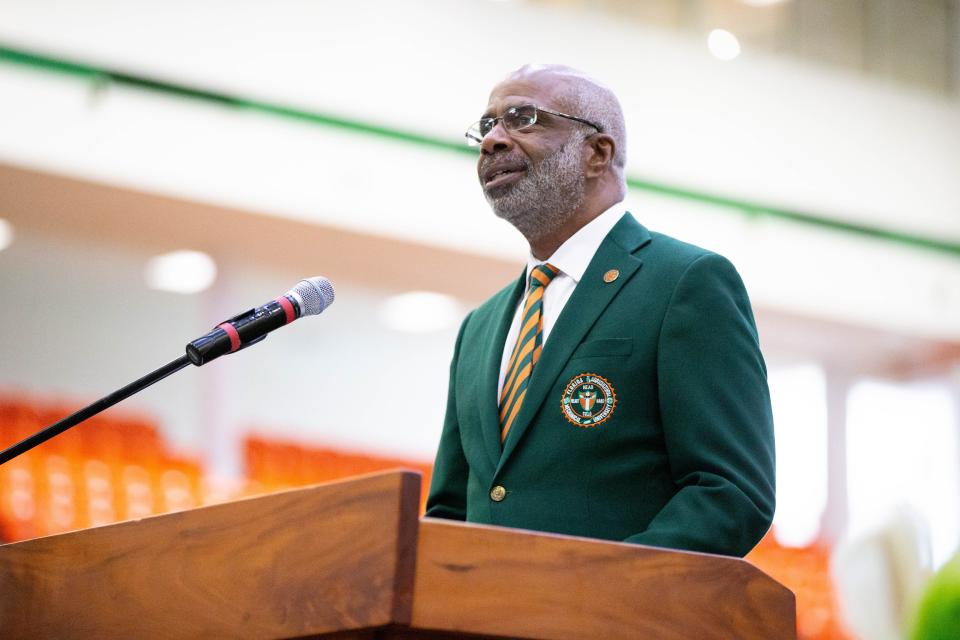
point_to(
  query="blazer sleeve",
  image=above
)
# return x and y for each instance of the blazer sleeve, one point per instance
(448, 485)
(716, 415)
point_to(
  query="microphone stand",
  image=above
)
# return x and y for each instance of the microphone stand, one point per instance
(104, 403)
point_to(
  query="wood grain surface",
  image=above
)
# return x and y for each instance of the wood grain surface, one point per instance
(510, 583)
(304, 562)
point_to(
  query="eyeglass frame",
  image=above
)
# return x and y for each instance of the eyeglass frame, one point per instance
(474, 142)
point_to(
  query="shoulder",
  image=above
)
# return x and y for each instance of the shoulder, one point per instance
(682, 269)
(698, 284)
(676, 254)
(671, 263)
(679, 259)
(667, 255)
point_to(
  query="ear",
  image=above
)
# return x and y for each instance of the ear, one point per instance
(599, 155)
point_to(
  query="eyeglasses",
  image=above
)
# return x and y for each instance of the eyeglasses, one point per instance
(515, 119)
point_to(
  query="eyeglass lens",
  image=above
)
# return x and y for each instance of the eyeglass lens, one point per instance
(513, 118)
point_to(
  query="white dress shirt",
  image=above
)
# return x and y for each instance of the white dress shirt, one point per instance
(571, 258)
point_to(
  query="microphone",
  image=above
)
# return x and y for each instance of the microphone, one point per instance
(308, 297)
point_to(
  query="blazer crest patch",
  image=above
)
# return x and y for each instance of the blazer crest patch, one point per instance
(588, 400)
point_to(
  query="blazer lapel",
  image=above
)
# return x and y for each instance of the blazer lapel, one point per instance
(585, 305)
(501, 318)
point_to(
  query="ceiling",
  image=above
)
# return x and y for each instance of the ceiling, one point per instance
(914, 43)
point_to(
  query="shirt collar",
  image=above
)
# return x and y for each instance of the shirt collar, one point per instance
(574, 255)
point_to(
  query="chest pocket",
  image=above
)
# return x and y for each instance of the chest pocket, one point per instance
(605, 347)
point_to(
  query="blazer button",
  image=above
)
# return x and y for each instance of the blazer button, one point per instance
(498, 493)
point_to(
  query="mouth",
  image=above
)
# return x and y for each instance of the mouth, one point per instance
(503, 176)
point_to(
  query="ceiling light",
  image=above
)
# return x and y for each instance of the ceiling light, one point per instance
(181, 272)
(420, 312)
(6, 234)
(723, 44)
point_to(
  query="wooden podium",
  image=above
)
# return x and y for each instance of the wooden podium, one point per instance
(351, 560)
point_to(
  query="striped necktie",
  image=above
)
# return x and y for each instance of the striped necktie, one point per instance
(527, 350)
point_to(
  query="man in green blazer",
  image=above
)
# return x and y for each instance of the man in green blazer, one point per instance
(616, 390)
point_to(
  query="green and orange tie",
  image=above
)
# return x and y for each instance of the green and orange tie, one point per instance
(527, 350)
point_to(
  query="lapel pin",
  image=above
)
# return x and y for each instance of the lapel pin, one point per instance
(611, 275)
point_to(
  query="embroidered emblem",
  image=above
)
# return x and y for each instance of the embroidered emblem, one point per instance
(588, 400)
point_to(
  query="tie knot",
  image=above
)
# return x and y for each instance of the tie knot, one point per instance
(542, 274)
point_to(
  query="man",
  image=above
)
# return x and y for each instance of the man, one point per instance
(616, 390)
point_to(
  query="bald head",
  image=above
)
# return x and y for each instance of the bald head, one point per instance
(578, 94)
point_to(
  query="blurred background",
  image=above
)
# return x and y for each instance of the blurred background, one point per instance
(165, 166)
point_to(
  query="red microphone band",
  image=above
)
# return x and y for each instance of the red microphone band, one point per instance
(284, 302)
(234, 336)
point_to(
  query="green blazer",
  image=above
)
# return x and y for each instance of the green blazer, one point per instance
(684, 458)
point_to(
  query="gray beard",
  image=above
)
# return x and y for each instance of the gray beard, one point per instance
(543, 200)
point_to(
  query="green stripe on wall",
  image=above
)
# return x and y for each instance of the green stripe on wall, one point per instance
(740, 207)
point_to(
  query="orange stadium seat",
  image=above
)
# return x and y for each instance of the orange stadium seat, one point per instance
(110, 468)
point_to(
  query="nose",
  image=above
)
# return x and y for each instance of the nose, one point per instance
(498, 139)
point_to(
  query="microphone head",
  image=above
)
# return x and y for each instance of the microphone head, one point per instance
(314, 295)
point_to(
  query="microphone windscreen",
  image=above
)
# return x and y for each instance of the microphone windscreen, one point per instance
(316, 294)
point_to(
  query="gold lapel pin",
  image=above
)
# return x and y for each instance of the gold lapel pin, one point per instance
(611, 275)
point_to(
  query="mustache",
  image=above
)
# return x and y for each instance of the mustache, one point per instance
(500, 158)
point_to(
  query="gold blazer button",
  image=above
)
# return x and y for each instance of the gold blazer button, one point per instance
(498, 493)
(611, 275)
